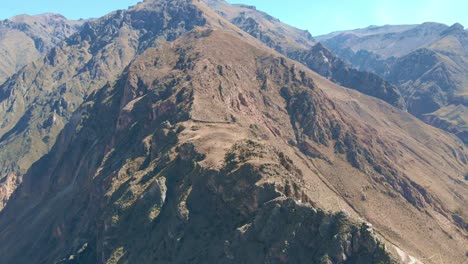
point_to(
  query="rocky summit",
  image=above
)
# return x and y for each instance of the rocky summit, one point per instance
(203, 132)
(24, 39)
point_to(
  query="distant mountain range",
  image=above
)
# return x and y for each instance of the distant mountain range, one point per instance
(24, 39)
(428, 62)
(182, 131)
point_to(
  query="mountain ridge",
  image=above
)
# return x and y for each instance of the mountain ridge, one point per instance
(25, 38)
(248, 162)
(209, 139)
(430, 70)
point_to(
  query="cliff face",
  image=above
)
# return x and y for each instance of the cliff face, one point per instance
(203, 145)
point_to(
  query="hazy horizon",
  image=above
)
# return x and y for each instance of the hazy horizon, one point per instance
(317, 17)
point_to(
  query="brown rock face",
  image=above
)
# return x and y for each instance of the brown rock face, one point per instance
(206, 146)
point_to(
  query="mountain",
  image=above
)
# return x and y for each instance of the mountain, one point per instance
(386, 41)
(192, 194)
(191, 141)
(39, 100)
(428, 62)
(32, 116)
(299, 45)
(25, 38)
(320, 59)
(271, 31)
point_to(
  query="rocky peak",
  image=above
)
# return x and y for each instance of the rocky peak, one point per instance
(251, 7)
(26, 18)
(319, 46)
(149, 3)
(211, 2)
(455, 28)
(25, 38)
(266, 28)
(429, 27)
(41, 25)
(166, 1)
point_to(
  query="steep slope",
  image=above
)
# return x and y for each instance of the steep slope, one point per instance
(290, 42)
(428, 62)
(451, 118)
(38, 101)
(430, 80)
(215, 148)
(216, 142)
(321, 60)
(271, 31)
(152, 163)
(24, 39)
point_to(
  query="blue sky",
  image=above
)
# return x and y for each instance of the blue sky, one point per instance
(317, 16)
